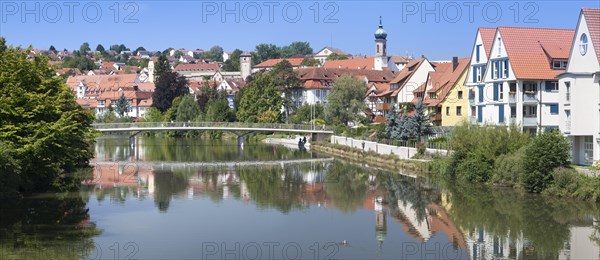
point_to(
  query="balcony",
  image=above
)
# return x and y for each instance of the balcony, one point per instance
(512, 97)
(530, 121)
(383, 106)
(530, 97)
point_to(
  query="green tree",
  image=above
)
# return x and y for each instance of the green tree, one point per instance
(215, 53)
(218, 109)
(153, 115)
(178, 54)
(547, 151)
(188, 109)
(84, 48)
(51, 134)
(419, 124)
(335, 56)
(139, 49)
(393, 129)
(169, 86)
(122, 106)
(286, 79)
(100, 48)
(310, 62)
(264, 52)
(296, 48)
(80, 62)
(261, 94)
(345, 103)
(52, 48)
(162, 66)
(305, 113)
(233, 63)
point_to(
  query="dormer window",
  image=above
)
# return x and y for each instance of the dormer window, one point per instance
(432, 95)
(499, 46)
(559, 64)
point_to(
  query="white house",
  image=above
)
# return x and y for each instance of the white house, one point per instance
(519, 82)
(479, 59)
(322, 55)
(579, 90)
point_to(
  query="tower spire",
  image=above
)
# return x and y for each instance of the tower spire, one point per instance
(380, 24)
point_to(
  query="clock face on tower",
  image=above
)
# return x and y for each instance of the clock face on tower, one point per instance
(583, 44)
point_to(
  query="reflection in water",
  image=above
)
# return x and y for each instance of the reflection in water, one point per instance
(46, 227)
(505, 224)
(211, 193)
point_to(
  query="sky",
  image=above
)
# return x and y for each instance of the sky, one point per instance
(438, 30)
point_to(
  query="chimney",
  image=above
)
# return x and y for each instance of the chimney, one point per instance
(454, 63)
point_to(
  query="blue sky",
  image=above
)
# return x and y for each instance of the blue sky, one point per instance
(411, 25)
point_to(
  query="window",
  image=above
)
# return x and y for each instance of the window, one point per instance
(479, 73)
(499, 46)
(501, 91)
(553, 109)
(551, 86)
(447, 111)
(505, 71)
(101, 102)
(588, 147)
(530, 88)
(530, 111)
(494, 70)
(460, 94)
(568, 88)
(432, 95)
(473, 111)
(459, 111)
(513, 112)
(583, 44)
(559, 64)
(477, 52)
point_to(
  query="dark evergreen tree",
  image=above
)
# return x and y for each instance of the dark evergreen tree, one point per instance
(169, 86)
(52, 48)
(122, 106)
(162, 66)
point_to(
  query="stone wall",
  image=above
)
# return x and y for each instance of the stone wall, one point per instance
(402, 152)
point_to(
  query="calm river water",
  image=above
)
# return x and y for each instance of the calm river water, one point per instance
(167, 198)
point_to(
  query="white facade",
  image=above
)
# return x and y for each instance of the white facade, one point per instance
(579, 95)
(497, 97)
(418, 78)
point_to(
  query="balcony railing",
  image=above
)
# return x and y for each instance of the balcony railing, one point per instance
(512, 97)
(436, 117)
(383, 106)
(530, 97)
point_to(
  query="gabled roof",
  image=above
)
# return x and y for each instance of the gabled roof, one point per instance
(197, 67)
(402, 78)
(272, 62)
(592, 18)
(103, 82)
(527, 56)
(367, 63)
(328, 74)
(333, 50)
(556, 51)
(487, 37)
(400, 59)
(443, 79)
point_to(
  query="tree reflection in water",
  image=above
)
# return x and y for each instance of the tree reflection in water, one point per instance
(46, 227)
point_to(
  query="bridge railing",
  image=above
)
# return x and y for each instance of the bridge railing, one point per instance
(212, 125)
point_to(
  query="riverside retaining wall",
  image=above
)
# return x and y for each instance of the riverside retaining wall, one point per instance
(400, 151)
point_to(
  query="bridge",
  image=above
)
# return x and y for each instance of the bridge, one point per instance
(240, 129)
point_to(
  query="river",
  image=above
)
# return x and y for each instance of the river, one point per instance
(168, 198)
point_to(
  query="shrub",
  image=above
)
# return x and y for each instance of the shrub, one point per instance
(548, 151)
(475, 167)
(508, 168)
(421, 148)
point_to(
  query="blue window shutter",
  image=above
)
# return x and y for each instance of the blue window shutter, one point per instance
(554, 109)
(477, 53)
(495, 91)
(480, 93)
(474, 70)
(501, 113)
(480, 114)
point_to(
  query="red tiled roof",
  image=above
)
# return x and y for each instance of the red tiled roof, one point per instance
(197, 67)
(400, 59)
(524, 47)
(443, 80)
(103, 82)
(556, 51)
(592, 18)
(367, 63)
(487, 37)
(272, 62)
(330, 74)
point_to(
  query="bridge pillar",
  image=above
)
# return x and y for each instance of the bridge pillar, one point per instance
(241, 140)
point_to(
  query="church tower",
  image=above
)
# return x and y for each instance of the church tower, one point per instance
(381, 58)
